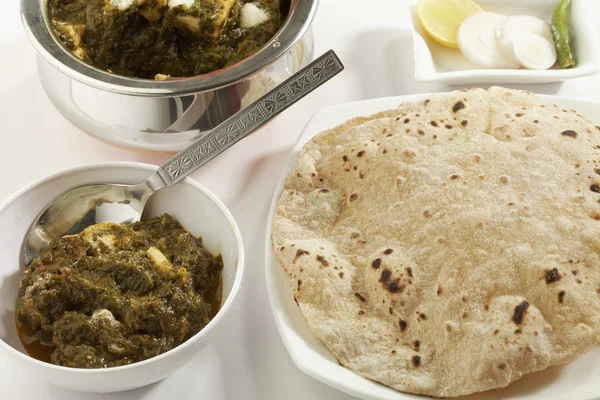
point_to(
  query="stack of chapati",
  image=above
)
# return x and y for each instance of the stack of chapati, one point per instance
(451, 245)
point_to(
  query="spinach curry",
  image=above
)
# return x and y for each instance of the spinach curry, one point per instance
(160, 39)
(115, 294)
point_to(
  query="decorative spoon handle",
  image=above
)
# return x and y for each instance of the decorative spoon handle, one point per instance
(250, 118)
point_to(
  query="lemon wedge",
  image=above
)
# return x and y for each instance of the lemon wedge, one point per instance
(442, 18)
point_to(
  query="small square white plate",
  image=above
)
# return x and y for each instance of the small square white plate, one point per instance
(437, 63)
(577, 380)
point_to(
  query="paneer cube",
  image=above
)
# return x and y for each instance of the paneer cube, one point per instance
(199, 24)
(72, 35)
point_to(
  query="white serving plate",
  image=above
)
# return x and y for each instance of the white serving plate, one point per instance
(437, 63)
(577, 380)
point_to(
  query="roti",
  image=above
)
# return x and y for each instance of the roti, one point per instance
(451, 245)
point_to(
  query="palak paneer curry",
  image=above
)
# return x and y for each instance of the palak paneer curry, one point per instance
(162, 39)
(117, 294)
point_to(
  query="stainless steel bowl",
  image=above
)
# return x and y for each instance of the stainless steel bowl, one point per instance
(162, 115)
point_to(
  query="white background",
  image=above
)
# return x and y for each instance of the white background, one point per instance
(372, 37)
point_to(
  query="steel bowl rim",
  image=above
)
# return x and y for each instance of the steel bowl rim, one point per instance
(34, 18)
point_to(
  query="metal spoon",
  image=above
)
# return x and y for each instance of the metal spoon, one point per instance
(79, 208)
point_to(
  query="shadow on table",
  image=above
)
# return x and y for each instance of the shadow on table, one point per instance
(386, 57)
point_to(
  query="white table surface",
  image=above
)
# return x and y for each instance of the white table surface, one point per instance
(249, 361)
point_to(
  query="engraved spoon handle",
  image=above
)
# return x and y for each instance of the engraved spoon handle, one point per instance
(250, 118)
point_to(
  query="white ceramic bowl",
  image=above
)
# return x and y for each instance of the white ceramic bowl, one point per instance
(197, 209)
(577, 380)
(437, 63)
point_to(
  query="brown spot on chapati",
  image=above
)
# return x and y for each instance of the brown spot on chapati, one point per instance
(502, 366)
(448, 328)
(299, 175)
(323, 261)
(409, 153)
(282, 248)
(458, 106)
(391, 286)
(387, 252)
(503, 179)
(561, 296)
(376, 263)
(409, 271)
(569, 133)
(397, 118)
(464, 298)
(299, 283)
(486, 307)
(345, 158)
(464, 122)
(420, 132)
(360, 153)
(406, 120)
(579, 281)
(354, 235)
(453, 177)
(341, 274)
(417, 345)
(518, 115)
(520, 312)
(361, 312)
(416, 361)
(439, 290)
(300, 253)
(393, 351)
(518, 331)
(594, 188)
(355, 167)
(324, 190)
(496, 332)
(435, 136)
(427, 101)
(391, 311)
(403, 324)
(464, 315)
(535, 121)
(353, 196)
(426, 214)
(360, 297)
(448, 126)
(384, 151)
(422, 316)
(433, 123)
(552, 276)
